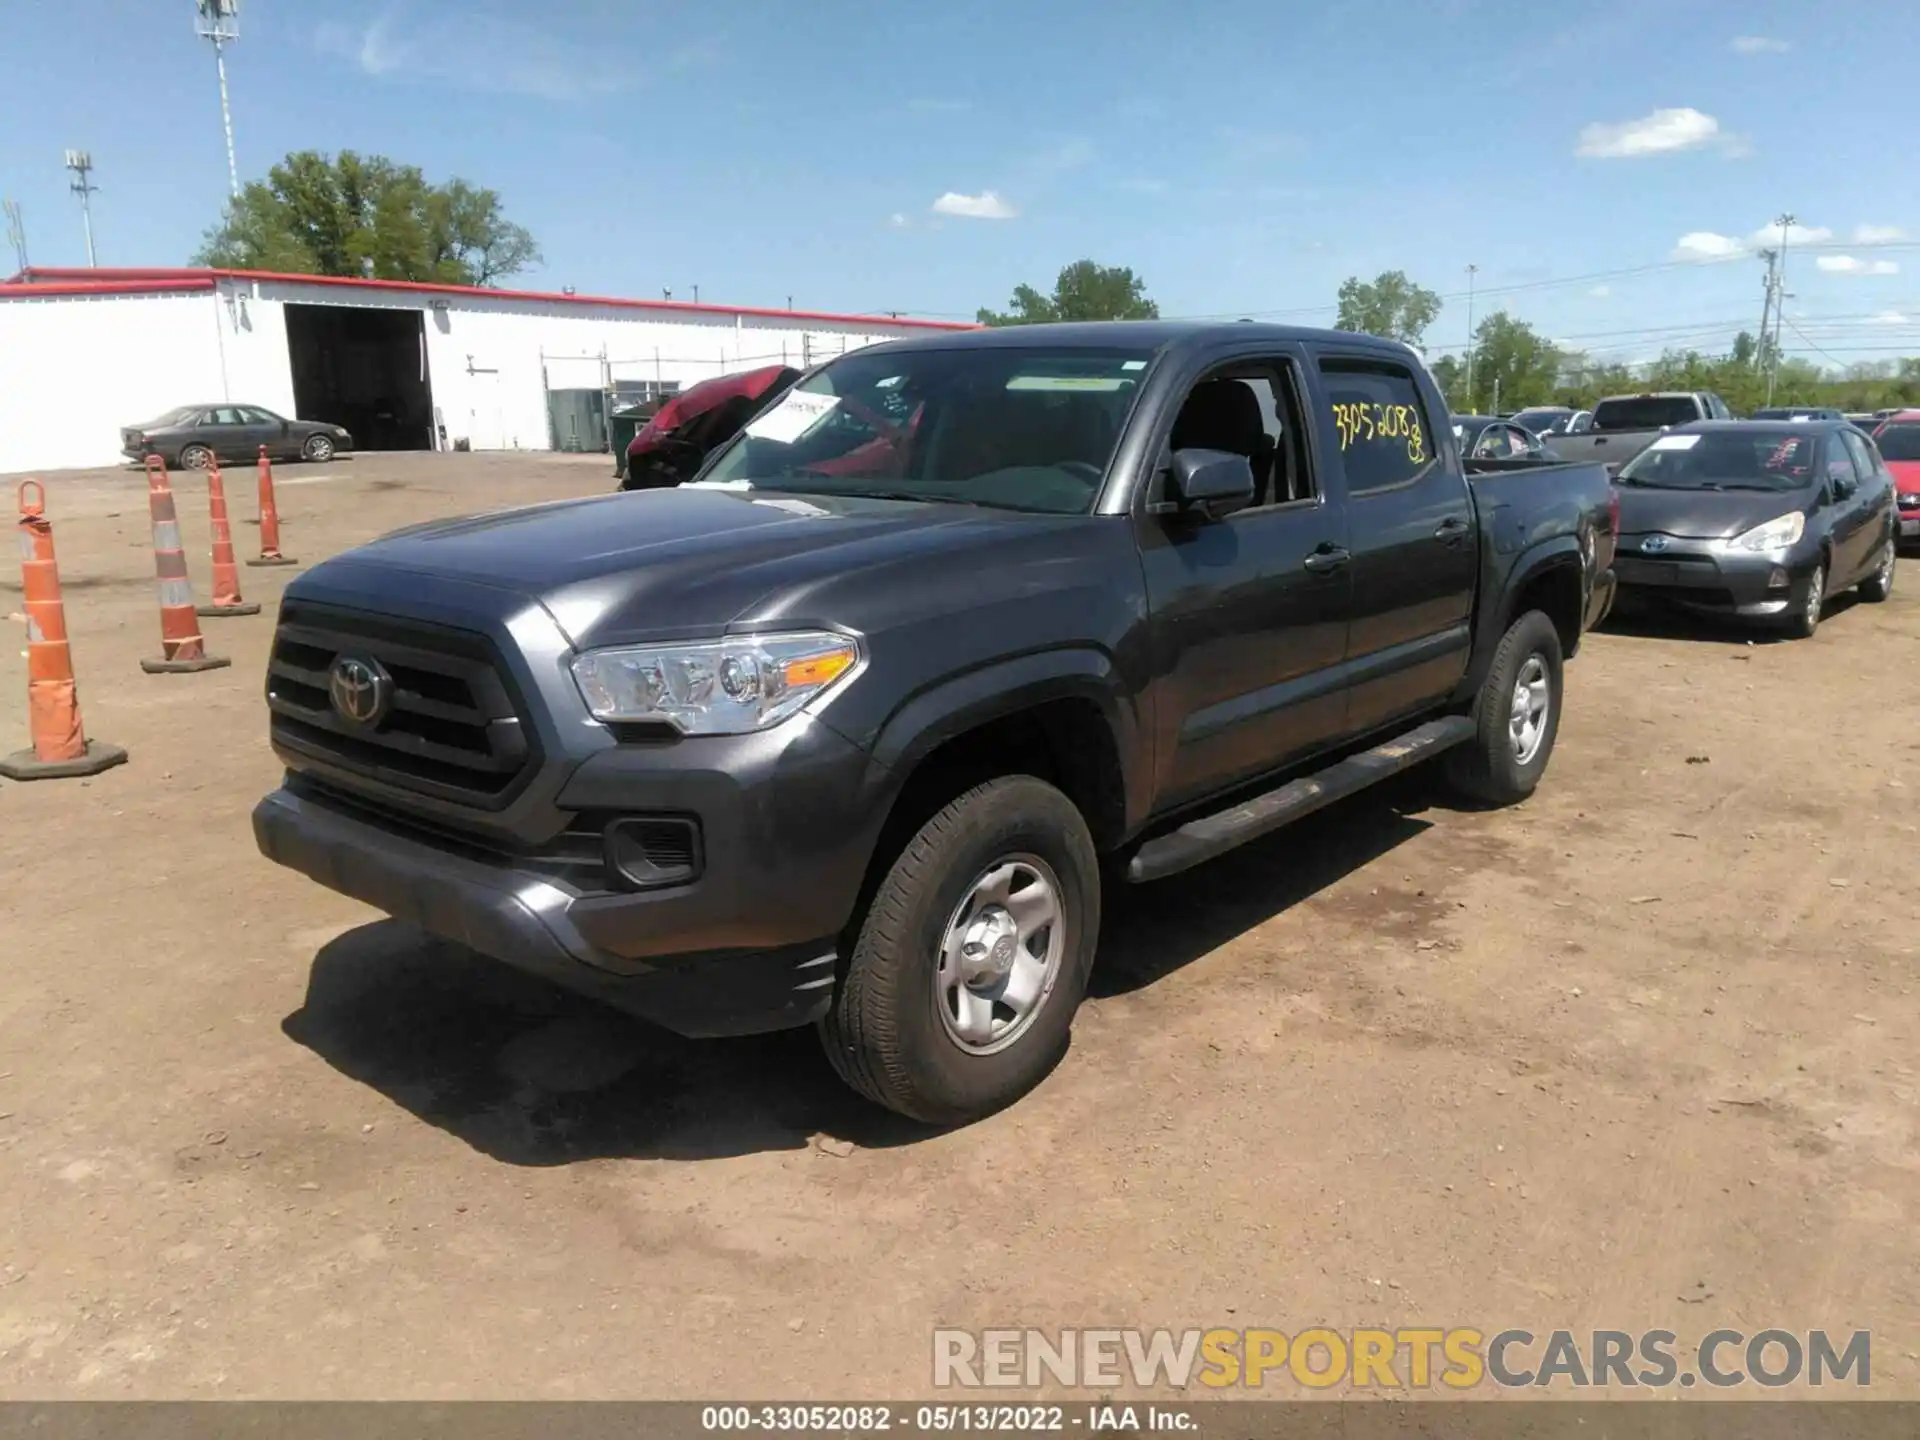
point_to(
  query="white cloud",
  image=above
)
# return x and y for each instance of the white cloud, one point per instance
(469, 56)
(1660, 133)
(1797, 234)
(1889, 317)
(1759, 45)
(1705, 245)
(1877, 234)
(899, 221)
(1850, 265)
(987, 205)
(1600, 292)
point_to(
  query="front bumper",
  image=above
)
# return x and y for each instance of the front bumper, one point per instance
(532, 922)
(1698, 576)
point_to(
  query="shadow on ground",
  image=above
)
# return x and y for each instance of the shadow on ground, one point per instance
(533, 1075)
(1656, 622)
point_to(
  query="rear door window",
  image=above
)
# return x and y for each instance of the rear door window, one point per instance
(1379, 423)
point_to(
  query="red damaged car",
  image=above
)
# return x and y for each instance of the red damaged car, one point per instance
(685, 430)
(1899, 442)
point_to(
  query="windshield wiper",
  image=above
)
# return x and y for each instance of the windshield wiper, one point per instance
(897, 495)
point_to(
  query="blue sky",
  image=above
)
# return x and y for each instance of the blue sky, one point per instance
(1605, 167)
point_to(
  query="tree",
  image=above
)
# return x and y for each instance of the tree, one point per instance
(367, 217)
(1390, 305)
(1513, 365)
(1083, 291)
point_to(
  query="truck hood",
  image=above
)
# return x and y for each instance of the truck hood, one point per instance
(666, 564)
(1702, 514)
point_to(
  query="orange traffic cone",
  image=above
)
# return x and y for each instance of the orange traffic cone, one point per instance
(226, 575)
(269, 519)
(61, 749)
(181, 647)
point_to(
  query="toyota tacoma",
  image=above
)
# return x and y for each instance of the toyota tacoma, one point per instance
(853, 729)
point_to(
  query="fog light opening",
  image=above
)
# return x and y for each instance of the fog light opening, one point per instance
(654, 851)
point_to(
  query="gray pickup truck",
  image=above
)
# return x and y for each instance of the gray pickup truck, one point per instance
(1624, 425)
(853, 729)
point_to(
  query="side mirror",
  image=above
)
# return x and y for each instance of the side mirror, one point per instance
(1845, 489)
(1210, 483)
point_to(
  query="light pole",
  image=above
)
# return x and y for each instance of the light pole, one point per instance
(1472, 270)
(220, 23)
(81, 164)
(1785, 221)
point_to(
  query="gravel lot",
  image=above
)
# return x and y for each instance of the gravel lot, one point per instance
(1640, 1053)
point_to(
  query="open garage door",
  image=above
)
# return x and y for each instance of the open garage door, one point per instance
(365, 369)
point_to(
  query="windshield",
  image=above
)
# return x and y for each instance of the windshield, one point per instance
(1645, 412)
(1547, 420)
(1724, 460)
(1014, 428)
(1899, 442)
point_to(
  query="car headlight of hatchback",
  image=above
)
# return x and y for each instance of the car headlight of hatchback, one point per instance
(1778, 534)
(733, 686)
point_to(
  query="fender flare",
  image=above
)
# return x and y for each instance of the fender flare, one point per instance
(1561, 552)
(1002, 688)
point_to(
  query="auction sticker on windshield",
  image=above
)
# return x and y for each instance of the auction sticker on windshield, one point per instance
(1675, 442)
(798, 412)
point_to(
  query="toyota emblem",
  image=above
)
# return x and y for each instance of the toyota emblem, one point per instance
(361, 690)
(1654, 544)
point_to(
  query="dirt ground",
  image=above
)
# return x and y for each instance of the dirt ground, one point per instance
(1639, 1053)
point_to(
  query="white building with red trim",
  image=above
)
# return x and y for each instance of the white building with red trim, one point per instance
(84, 353)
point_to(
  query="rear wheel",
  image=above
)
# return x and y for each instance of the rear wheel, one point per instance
(196, 457)
(972, 958)
(1516, 716)
(1813, 599)
(1879, 585)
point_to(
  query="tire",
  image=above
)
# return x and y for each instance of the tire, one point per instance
(1806, 616)
(1879, 585)
(318, 449)
(1503, 762)
(893, 1030)
(195, 457)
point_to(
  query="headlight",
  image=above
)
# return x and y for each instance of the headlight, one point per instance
(1910, 500)
(716, 687)
(1777, 534)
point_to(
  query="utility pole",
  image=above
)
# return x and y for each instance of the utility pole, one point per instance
(1772, 257)
(220, 23)
(81, 164)
(1786, 222)
(1472, 270)
(16, 234)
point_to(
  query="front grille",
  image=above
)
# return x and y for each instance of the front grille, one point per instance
(451, 729)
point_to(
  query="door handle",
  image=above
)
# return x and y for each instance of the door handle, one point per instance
(1452, 530)
(1326, 558)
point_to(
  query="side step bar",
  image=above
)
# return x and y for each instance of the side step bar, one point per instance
(1200, 840)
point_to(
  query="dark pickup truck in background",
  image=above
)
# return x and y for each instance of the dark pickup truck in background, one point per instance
(1624, 425)
(854, 728)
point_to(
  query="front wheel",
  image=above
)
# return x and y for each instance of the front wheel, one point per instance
(1516, 716)
(1806, 616)
(318, 449)
(972, 957)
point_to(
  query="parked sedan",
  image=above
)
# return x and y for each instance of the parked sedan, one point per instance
(194, 436)
(1550, 420)
(1898, 440)
(1487, 437)
(1762, 519)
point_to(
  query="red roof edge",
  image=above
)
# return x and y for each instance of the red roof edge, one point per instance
(43, 280)
(19, 289)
